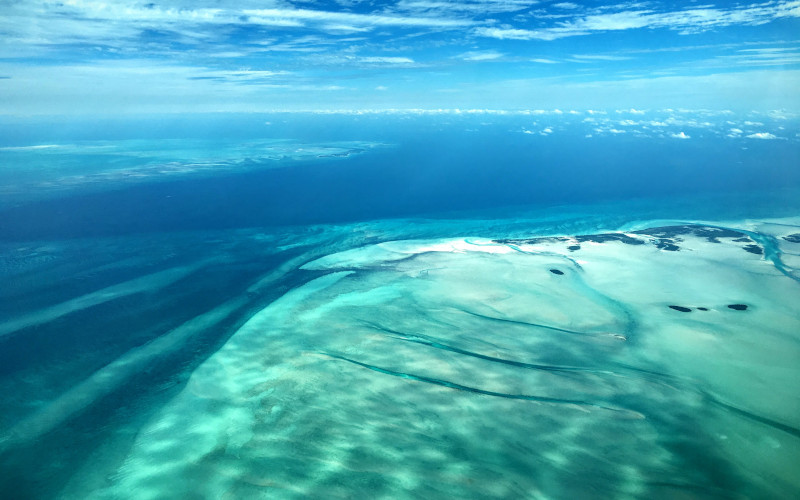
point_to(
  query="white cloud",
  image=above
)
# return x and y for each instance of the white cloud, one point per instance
(344, 28)
(207, 74)
(781, 114)
(38, 23)
(680, 135)
(385, 60)
(544, 61)
(586, 58)
(269, 16)
(546, 131)
(487, 55)
(762, 135)
(523, 34)
(692, 20)
(474, 7)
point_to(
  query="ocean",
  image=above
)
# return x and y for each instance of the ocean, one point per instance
(449, 304)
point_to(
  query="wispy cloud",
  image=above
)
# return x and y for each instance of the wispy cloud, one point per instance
(75, 21)
(384, 60)
(524, 34)
(326, 18)
(599, 57)
(637, 16)
(486, 55)
(763, 56)
(473, 7)
(223, 51)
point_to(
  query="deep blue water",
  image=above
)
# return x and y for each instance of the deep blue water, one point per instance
(406, 177)
(428, 166)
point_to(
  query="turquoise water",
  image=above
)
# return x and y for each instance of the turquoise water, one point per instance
(372, 309)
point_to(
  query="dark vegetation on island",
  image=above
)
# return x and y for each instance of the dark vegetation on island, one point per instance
(666, 238)
(793, 238)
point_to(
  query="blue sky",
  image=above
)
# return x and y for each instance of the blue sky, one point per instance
(93, 57)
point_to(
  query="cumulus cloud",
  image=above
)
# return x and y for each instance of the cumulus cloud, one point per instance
(632, 111)
(680, 135)
(762, 135)
(781, 114)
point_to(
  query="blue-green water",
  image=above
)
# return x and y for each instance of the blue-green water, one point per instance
(296, 306)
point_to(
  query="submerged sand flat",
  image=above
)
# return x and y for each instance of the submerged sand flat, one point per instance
(657, 363)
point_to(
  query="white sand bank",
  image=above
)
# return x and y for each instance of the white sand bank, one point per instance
(526, 369)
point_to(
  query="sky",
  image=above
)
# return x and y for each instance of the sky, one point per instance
(116, 57)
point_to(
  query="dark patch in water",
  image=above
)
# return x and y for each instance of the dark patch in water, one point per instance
(711, 234)
(738, 307)
(668, 245)
(702, 309)
(681, 309)
(664, 238)
(753, 249)
(604, 238)
(669, 236)
(556, 271)
(793, 238)
(530, 241)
